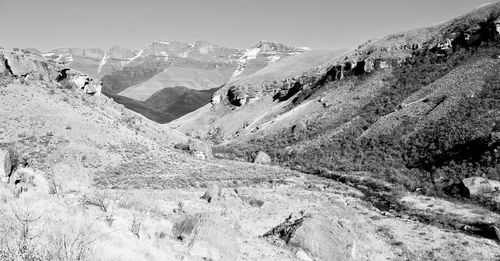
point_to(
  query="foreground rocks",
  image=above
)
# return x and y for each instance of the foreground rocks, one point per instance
(208, 237)
(316, 236)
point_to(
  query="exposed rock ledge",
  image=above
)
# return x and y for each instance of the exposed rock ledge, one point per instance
(366, 59)
(27, 67)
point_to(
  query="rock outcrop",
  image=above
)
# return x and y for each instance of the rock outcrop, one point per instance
(315, 235)
(26, 66)
(390, 52)
(477, 186)
(81, 81)
(212, 193)
(215, 193)
(196, 148)
(5, 165)
(262, 158)
(208, 237)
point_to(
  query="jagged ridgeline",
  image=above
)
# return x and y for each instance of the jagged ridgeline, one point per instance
(419, 108)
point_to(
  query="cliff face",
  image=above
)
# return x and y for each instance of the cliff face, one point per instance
(26, 66)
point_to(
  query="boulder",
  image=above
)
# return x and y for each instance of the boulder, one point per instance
(262, 158)
(216, 193)
(209, 237)
(25, 179)
(200, 150)
(5, 165)
(316, 235)
(212, 193)
(299, 126)
(94, 88)
(368, 65)
(475, 186)
(216, 99)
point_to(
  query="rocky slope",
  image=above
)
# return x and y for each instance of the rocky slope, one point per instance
(304, 75)
(90, 180)
(417, 109)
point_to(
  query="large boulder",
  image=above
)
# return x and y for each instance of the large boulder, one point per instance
(476, 186)
(316, 235)
(212, 193)
(208, 237)
(262, 158)
(5, 165)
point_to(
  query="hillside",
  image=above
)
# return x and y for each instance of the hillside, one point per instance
(417, 109)
(83, 178)
(210, 118)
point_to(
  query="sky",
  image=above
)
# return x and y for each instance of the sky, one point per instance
(319, 24)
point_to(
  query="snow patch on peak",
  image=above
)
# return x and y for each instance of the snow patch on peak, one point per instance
(304, 48)
(133, 58)
(250, 54)
(239, 70)
(186, 53)
(103, 62)
(137, 55)
(164, 54)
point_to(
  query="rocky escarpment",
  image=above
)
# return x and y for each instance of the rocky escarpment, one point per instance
(262, 54)
(390, 52)
(25, 68)
(93, 61)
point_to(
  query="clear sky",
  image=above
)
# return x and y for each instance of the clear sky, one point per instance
(319, 24)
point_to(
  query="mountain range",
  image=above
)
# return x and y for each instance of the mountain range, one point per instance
(145, 80)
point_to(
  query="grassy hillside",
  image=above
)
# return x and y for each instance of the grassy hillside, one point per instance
(430, 144)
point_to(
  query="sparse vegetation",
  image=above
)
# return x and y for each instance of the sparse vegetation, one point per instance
(429, 158)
